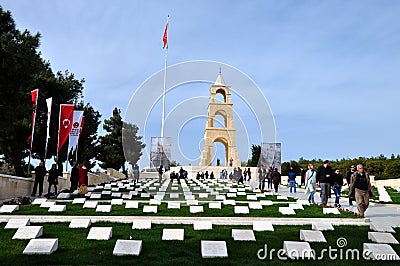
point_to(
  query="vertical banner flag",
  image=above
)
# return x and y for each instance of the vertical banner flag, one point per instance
(34, 96)
(49, 103)
(165, 36)
(65, 124)
(75, 131)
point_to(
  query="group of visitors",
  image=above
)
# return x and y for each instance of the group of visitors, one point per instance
(78, 177)
(272, 176)
(182, 174)
(328, 179)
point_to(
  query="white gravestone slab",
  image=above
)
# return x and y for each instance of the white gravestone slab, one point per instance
(9, 208)
(152, 188)
(174, 188)
(17, 223)
(95, 196)
(63, 196)
(251, 197)
(220, 197)
(114, 189)
(174, 196)
(229, 202)
(192, 202)
(127, 247)
(100, 233)
(231, 195)
(141, 224)
(312, 236)
(173, 234)
(382, 227)
(214, 205)
(154, 202)
(126, 196)
(322, 226)
(145, 195)
(41, 246)
(379, 252)
(133, 193)
(213, 249)
(90, 204)
(80, 223)
(131, 204)
(255, 205)
(241, 193)
(106, 192)
(107, 186)
(79, 201)
(58, 208)
(296, 206)
(296, 250)
(148, 209)
(281, 197)
(243, 235)
(196, 188)
(47, 204)
(382, 238)
(174, 205)
(28, 232)
(266, 202)
(241, 210)
(196, 209)
(116, 195)
(287, 211)
(233, 190)
(203, 195)
(202, 225)
(262, 226)
(190, 197)
(117, 202)
(103, 208)
(331, 211)
(38, 201)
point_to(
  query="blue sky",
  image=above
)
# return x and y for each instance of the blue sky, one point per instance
(328, 69)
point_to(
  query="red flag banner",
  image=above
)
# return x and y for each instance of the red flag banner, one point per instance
(34, 96)
(165, 36)
(65, 124)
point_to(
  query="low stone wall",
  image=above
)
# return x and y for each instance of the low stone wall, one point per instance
(14, 186)
(115, 173)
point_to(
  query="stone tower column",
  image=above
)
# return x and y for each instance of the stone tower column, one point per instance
(225, 134)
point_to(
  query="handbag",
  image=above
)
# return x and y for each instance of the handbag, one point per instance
(83, 190)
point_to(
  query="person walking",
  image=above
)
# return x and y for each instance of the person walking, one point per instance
(261, 177)
(276, 179)
(53, 178)
(348, 177)
(324, 175)
(311, 183)
(249, 174)
(360, 188)
(160, 173)
(240, 176)
(83, 174)
(74, 178)
(40, 173)
(337, 182)
(292, 180)
(269, 178)
(136, 174)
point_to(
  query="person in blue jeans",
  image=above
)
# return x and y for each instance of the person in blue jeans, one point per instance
(292, 180)
(337, 183)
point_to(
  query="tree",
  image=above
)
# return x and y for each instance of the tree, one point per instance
(132, 143)
(111, 150)
(255, 155)
(112, 147)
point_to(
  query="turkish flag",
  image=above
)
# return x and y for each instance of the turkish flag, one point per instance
(165, 36)
(65, 124)
(34, 96)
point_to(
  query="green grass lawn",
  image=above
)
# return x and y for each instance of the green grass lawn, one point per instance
(74, 248)
(225, 211)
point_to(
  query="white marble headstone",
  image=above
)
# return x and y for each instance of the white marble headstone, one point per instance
(100, 233)
(214, 205)
(243, 235)
(17, 223)
(196, 209)
(382, 238)
(80, 223)
(174, 205)
(141, 224)
(296, 250)
(379, 252)
(173, 234)
(103, 208)
(148, 209)
(322, 226)
(202, 225)
(9, 208)
(312, 236)
(44, 246)
(127, 247)
(262, 226)
(213, 249)
(90, 204)
(131, 204)
(28, 232)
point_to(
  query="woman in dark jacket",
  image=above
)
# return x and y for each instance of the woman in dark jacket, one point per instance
(337, 183)
(53, 178)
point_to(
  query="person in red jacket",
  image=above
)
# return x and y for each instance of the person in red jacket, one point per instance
(83, 177)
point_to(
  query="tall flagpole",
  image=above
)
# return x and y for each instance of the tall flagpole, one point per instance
(33, 129)
(165, 38)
